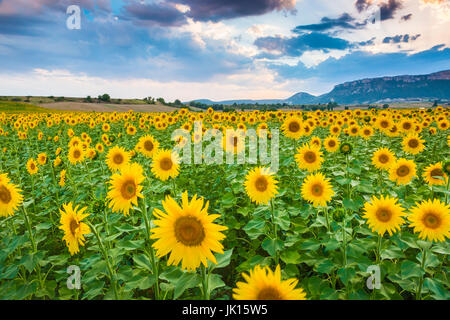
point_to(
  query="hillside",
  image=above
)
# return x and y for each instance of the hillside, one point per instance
(405, 88)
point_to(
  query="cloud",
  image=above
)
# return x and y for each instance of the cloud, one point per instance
(407, 17)
(296, 46)
(400, 38)
(345, 21)
(162, 14)
(387, 9)
(215, 10)
(362, 64)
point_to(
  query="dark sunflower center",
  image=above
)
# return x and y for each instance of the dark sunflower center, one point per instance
(76, 154)
(118, 158)
(310, 157)
(437, 173)
(431, 220)
(5, 195)
(74, 225)
(189, 231)
(261, 184)
(235, 141)
(269, 293)
(128, 189)
(317, 190)
(407, 126)
(166, 164)
(383, 214)
(32, 166)
(383, 158)
(354, 130)
(367, 132)
(403, 171)
(413, 143)
(294, 126)
(331, 143)
(384, 124)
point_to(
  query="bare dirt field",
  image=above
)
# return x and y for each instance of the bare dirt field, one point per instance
(105, 107)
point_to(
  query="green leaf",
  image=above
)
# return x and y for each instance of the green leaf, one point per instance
(223, 259)
(346, 274)
(143, 261)
(290, 256)
(438, 290)
(310, 244)
(131, 244)
(325, 266)
(410, 269)
(215, 281)
(186, 281)
(255, 228)
(272, 246)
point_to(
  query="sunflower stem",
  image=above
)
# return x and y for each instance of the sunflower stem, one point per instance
(205, 280)
(344, 240)
(275, 232)
(33, 243)
(155, 265)
(379, 249)
(326, 217)
(419, 288)
(446, 194)
(104, 251)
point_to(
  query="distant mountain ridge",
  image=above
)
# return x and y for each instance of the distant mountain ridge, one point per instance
(434, 86)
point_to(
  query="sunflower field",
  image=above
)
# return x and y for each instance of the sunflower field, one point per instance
(358, 208)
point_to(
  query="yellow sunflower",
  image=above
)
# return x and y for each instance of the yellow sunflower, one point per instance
(292, 127)
(264, 284)
(149, 145)
(317, 189)
(10, 197)
(331, 144)
(187, 232)
(260, 185)
(413, 144)
(117, 158)
(309, 157)
(402, 171)
(165, 164)
(234, 141)
(32, 167)
(383, 158)
(76, 154)
(42, 158)
(62, 178)
(384, 214)
(431, 219)
(125, 188)
(435, 175)
(74, 229)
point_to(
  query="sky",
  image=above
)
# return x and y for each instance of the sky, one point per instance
(215, 49)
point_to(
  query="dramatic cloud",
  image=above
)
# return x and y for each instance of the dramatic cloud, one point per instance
(162, 14)
(360, 64)
(387, 9)
(215, 10)
(400, 38)
(296, 46)
(345, 21)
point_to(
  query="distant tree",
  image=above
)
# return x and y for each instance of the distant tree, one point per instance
(177, 102)
(435, 104)
(88, 99)
(106, 97)
(161, 100)
(385, 106)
